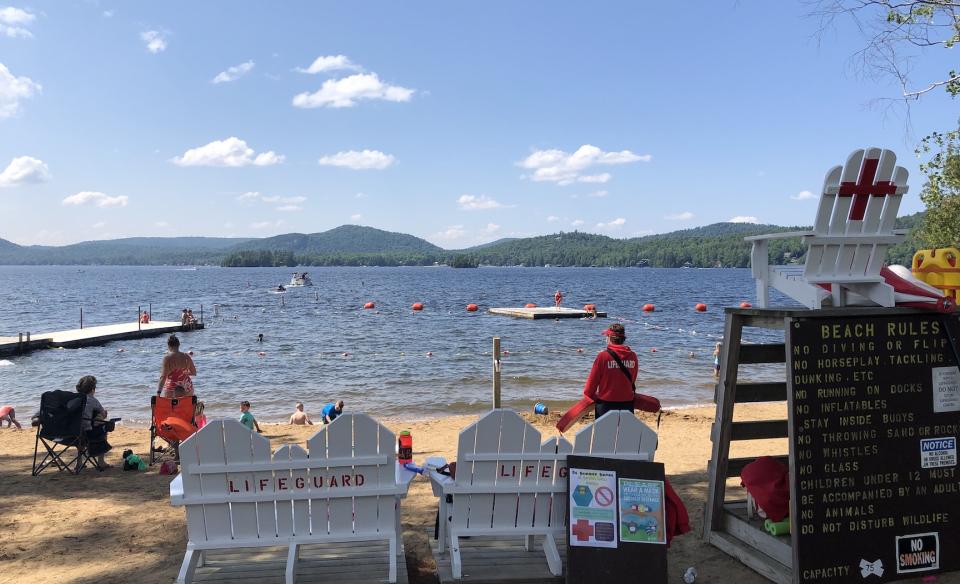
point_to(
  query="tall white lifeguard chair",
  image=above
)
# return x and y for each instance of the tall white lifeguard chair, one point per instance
(848, 244)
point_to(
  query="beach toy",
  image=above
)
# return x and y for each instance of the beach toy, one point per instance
(700, 307)
(540, 408)
(404, 447)
(649, 308)
(745, 304)
(417, 306)
(529, 305)
(369, 305)
(168, 467)
(472, 307)
(777, 527)
(690, 576)
(938, 267)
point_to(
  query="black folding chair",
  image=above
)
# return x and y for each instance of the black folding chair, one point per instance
(60, 428)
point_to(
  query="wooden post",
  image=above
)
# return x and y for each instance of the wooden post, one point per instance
(81, 317)
(138, 318)
(150, 310)
(496, 372)
(201, 314)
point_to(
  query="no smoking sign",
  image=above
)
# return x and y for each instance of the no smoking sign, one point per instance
(604, 496)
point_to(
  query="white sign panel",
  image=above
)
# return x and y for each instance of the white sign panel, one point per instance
(593, 508)
(946, 389)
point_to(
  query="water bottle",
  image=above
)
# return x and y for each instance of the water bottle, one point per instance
(405, 447)
(540, 408)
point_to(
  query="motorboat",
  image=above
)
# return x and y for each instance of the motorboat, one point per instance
(300, 279)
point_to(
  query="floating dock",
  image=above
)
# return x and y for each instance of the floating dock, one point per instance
(545, 312)
(84, 337)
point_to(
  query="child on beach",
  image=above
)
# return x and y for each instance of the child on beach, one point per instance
(246, 418)
(7, 414)
(198, 417)
(716, 360)
(299, 417)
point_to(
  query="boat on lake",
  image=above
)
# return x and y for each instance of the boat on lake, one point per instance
(300, 279)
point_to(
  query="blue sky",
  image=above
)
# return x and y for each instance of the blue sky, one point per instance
(457, 123)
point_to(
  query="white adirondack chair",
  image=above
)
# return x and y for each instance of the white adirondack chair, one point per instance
(850, 237)
(508, 483)
(345, 487)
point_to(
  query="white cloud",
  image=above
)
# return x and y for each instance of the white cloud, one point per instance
(492, 228)
(161, 224)
(564, 168)
(154, 40)
(267, 224)
(331, 63)
(803, 196)
(595, 178)
(286, 200)
(249, 197)
(289, 208)
(683, 216)
(362, 160)
(13, 22)
(14, 89)
(474, 203)
(615, 224)
(109, 13)
(348, 91)
(743, 219)
(232, 152)
(452, 232)
(356, 217)
(233, 73)
(99, 225)
(552, 219)
(360, 196)
(577, 222)
(96, 198)
(24, 170)
(597, 194)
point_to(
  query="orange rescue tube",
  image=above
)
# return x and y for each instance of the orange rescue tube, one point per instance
(645, 403)
(417, 306)
(530, 305)
(700, 307)
(369, 305)
(472, 308)
(649, 308)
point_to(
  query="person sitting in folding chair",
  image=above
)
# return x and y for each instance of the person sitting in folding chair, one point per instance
(61, 427)
(95, 423)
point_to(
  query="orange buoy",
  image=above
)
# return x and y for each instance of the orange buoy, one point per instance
(700, 307)
(589, 307)
(745, 304)
(530, 305)
(417, 306)
(369, 305)
(649, 308)
(472, 307)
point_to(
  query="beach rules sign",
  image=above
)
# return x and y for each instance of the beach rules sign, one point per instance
(874, 421)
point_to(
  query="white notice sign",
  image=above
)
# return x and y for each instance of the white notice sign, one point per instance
(946, 389)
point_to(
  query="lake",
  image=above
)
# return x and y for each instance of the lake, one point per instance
(320, 345)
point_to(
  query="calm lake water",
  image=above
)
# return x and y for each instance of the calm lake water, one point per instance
(387, 370)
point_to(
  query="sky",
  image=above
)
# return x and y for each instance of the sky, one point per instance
(460, 123)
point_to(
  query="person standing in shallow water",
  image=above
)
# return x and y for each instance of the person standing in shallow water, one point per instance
(176, 371)
(612, 380)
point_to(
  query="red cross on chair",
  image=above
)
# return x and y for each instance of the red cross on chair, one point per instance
(582, 529)
(864, 188)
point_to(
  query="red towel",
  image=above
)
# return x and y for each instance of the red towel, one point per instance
(678, 522)
(768, 482)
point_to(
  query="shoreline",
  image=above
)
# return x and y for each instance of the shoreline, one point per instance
(128, 514)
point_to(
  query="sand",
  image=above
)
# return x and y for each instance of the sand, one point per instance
(118, 526)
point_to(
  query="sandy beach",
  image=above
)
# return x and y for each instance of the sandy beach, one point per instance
(119, 526)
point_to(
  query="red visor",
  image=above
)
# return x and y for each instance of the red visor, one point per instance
(611, 333)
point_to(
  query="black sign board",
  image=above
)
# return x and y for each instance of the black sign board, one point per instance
(875, 410)
(617, 532)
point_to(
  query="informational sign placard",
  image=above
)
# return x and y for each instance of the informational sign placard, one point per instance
(875, 410)
(593, 515)
(615, 505)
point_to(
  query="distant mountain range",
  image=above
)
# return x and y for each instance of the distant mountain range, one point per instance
(719, 244)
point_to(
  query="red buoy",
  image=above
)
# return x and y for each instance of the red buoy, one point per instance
(700, 307)
(472, 308)
(649, 308)
(530, 305)
(417, 306)
(369, 305)
(745, 304)
(590, 307)
(653, 350)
